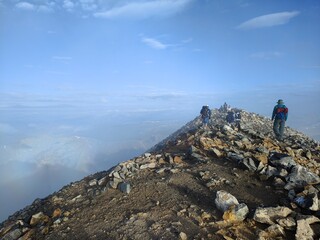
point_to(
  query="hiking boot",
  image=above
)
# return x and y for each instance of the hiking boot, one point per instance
(280, 139)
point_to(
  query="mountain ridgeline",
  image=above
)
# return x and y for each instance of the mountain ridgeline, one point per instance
(223, 182)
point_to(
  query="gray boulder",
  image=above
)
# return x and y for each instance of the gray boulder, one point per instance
(13, 235)
(301, 177)
(236, 213)
(125, 187)
(248, 164)
(270, 215)
(235, 157)
(281, 160)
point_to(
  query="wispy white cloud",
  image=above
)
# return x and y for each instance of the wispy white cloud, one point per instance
(144, 9)
(268, 20)
(88, 5)
(157, 44)
(61, 58)
(68, 5)
(137, 9)
(165, 96)
(45, 7)
(26, 6)
(154, 43)
(51, 6)
(266, 55)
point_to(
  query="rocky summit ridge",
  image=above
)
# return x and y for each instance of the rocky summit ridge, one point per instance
(218, 183)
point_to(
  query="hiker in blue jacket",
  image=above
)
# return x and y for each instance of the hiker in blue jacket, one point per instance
(280, 116)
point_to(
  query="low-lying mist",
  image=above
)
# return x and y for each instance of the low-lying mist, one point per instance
(41, 152)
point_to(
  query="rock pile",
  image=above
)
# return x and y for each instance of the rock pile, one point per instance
(289, 168)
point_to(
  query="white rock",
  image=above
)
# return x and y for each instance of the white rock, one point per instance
(183, 236)
(147, 154)
(116, 175)
(148, 165)
(93, 182)
(304, 231)
(114, 184)
(102, 181)
(36, 218)
(224, 200)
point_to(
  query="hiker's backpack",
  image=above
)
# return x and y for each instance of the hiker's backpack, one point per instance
(230, 117)
(281, 112)
(205, 111)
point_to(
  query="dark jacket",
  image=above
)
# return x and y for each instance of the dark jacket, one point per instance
(205, 112)
(230, 117)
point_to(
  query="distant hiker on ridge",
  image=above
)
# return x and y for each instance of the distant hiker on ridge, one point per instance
(225, 107)
(279, 115)
(237, 119)
(205, 115)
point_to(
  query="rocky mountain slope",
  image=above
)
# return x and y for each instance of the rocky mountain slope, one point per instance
(221, 183)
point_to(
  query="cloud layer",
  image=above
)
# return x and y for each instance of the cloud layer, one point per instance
(27, 6)
(268, 20)
(111, 10)
(144, 9)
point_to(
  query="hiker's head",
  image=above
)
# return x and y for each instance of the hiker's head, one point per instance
(280, 101)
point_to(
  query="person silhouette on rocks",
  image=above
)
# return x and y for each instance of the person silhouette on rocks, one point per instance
(205, 116)
(279, 116)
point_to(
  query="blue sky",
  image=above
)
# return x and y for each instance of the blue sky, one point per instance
(55, 50)
(89, 80)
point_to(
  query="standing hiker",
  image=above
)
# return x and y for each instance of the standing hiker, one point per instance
(205, 115)
(280, 116)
